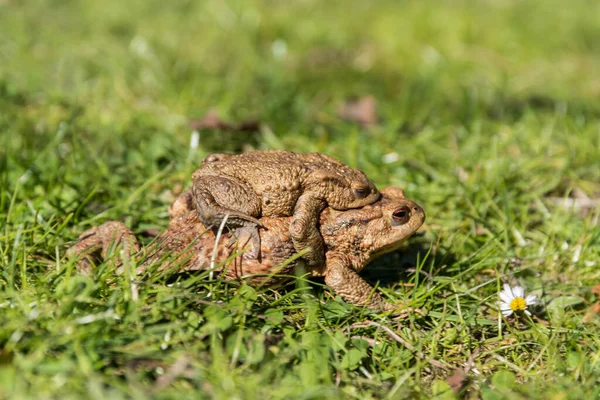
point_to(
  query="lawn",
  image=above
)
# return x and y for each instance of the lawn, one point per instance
(486, 113)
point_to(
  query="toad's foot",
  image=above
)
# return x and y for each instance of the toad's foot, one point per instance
(243, 236)
(98, 241)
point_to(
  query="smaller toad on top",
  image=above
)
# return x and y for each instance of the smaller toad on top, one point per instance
(277, 183)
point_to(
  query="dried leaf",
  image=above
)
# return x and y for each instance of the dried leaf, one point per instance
(362, 111)
(593, 312)
(575, 202)
(578, 200)
(457, 380)
(174, 371)
(212, 121)
(594, 309)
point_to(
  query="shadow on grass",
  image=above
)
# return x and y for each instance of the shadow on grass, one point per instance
(400, 266)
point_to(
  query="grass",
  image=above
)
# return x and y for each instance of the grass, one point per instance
(491, 107)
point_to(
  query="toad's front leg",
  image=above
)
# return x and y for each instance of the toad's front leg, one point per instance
(217, 196)
(347, 284)
(304, 229)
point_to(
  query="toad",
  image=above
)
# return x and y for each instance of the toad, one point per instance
(277, 183)
(352, 238)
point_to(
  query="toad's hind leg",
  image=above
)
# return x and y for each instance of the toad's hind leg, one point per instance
(304, 229)
(217, 196)
(98, 240)
(183, 204)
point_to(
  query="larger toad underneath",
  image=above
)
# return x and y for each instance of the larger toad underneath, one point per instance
(352, 239)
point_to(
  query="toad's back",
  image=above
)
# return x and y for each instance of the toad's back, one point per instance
(276, 176)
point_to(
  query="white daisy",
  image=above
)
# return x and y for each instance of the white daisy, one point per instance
(513, 299)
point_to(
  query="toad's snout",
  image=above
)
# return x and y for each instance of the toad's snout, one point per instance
(417, 212)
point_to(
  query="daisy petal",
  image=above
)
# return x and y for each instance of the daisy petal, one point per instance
(518, 291)
(527, 312)
(506, 297)
(507, 313)
(504, 307)
(531, 299)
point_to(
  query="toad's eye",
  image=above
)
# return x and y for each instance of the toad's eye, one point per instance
(401, 215)
(361, 192)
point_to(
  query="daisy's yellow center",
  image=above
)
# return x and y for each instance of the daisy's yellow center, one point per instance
(517, 304)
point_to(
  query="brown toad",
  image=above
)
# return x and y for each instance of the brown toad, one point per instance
(352, 239)
(277, 183)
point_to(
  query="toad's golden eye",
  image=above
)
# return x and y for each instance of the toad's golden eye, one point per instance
(361, 192)
(401, 215)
